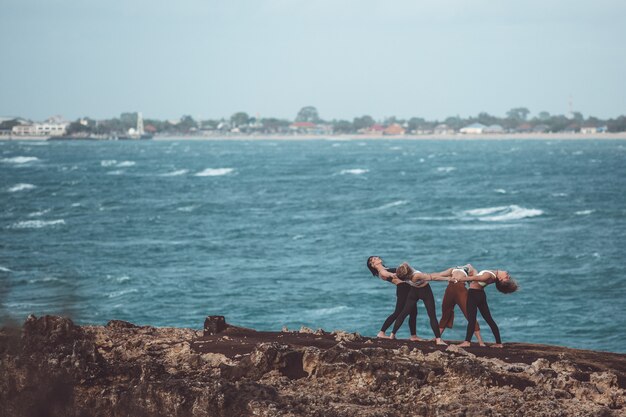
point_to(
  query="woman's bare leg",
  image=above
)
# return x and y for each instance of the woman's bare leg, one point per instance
(479, 338)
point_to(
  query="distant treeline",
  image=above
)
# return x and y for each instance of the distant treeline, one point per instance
(308, 119)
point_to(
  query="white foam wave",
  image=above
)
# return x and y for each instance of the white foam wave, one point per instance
(37, 224)
(116, 172)
(4, 269)
(76, 204)
(392, 204)
(120, 279)
(41, 143)
(584, 212)
(326, 311)
(559, 194)
(395, 148)
(175, 173)
(446, 169)
(39, 213)
(21, 187)
(356, 171)
(44, 279)
(20, 159)
(502, 213)
(116, 294)
(215, 172)
(186, 209)
(115, 163)
(500, 190)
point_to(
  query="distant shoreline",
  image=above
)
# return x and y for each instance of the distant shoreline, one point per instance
(451, 137)
(461, 137)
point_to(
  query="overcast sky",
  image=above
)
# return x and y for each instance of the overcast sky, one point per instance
(210, 59)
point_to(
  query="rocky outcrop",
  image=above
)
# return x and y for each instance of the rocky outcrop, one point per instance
(52, 367)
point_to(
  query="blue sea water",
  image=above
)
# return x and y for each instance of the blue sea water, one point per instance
(276, 233)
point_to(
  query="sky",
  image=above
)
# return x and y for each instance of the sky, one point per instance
(348, 58)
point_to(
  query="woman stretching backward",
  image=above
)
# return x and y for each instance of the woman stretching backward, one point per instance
(456, 294)
(420, 291)
(477, 299)
(378, 269)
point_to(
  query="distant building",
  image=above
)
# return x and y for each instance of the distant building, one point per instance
(54, 126)
(541, 128)
(394, 130)
(590, 130)
(374, 130)
(473, 129)
(493, 129)
(443, 129)
(310, 128)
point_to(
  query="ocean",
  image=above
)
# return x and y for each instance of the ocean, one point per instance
(276, 233)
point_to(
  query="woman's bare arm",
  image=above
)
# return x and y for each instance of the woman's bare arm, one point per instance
(461, 277)
(436, 276)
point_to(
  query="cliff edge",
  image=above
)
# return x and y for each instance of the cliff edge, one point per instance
(52, 367)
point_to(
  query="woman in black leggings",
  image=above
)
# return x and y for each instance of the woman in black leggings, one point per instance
(477, 299)
(420, 291)
(378, 269)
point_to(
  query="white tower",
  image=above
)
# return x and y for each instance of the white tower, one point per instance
(140, 130)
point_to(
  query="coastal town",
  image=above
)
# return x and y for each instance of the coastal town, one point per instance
(129, 126)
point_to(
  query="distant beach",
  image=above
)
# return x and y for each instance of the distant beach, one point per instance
(507, 136)
(464, 137)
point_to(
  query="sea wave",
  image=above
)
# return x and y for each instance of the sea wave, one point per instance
(502, 213)
(175, 173)
(120, 293)
(21, 187)
(446, 169)
(186, 209)
(115, 163)
(215, 172)
(20, 159)
(584, 212)
(4, 269)
(355, 171)
(392, 204)
(37, 224)
(39, 213)
(326, 311)
(500, 190)
(44, 279)
(116, 172)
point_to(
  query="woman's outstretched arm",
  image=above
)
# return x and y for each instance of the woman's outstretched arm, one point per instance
(460, 276)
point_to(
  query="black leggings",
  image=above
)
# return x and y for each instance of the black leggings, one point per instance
(402, 292)
(426, 295)
(477, 300)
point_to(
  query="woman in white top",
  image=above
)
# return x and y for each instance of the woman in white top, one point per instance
(477, 299)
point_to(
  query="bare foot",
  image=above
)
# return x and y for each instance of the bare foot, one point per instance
(498, 346)
(465, 344)
(440, 342)
(482, 344)
(382, 335)
(392, 336)
(416, 339)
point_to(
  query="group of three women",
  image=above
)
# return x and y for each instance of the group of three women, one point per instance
(413, 285)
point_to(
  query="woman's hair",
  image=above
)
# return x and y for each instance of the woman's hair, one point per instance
(404, 272)
(507, 286)
(370, 267)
